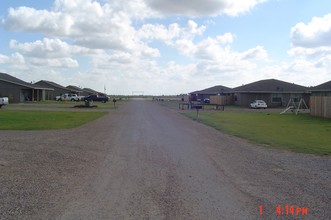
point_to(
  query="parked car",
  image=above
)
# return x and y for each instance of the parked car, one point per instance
(258, 104)
(206, 100)
(81, 97)
(96, 98)
(67, 97)
(3, 101)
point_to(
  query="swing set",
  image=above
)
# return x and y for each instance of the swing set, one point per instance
(295, 107)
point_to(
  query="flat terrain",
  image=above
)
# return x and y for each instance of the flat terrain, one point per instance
(300, 133)
(144, 161)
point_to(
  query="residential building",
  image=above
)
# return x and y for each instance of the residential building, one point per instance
(88, 91)
(18, 90)
(273, 92)
(57, 89)
(76, 90)
(225, 92)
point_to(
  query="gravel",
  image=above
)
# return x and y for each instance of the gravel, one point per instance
(144, 161)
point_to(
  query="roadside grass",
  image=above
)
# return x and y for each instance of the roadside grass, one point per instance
(66, 104)
(299, 133)
(168, 104)
(44, 120)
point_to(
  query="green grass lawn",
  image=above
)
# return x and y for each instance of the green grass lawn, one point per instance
(64, 104)
(299, 133)
(40, 120)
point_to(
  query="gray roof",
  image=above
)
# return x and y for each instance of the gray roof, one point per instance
(10, 79)
(52, 84)
(88, 90)
(271, 86)
(322, 87)
(91, 91)
(214, 90)
(75, 88)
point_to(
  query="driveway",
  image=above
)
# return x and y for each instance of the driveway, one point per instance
(145, 161)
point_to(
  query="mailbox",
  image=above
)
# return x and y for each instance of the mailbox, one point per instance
(197, 106)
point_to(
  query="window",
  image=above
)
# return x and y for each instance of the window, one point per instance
(276, 98)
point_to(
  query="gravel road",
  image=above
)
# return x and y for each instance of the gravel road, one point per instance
(145, 161)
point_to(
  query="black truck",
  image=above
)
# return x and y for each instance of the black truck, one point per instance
(96, 98)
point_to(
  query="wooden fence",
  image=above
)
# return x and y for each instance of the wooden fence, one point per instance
(320, 106)
(221, 100)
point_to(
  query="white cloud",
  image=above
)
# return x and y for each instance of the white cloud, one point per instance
(168, 34)
(13, 59)
(50, 52)
(159, 32)
(226, 38)
(311, 50)
(45, 53)
(187, 7)
(32, 20)
(117, 41)
(257, 53)
(19, 61)
(202, 8)
(57, 63)
(3, 59)
(89, 23)
(316, 33)
(217, 63)
(45, 48)
(211, 50)
(194, 29)
(310, 53)
(236, 7)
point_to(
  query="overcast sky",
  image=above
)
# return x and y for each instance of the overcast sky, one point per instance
(165, 46)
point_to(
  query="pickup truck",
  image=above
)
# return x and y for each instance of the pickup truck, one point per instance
(3, 101)
(96, 98)
(67, 97)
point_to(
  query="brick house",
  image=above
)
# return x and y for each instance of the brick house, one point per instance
(274, 92)
(18, 90)
(225, 92)
(57, 89)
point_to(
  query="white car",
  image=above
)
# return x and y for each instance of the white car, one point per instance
(258, 104)
(67, 97)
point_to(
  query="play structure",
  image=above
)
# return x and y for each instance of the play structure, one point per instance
(296, 107)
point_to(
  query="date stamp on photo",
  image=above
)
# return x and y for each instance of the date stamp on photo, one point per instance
(287, 210)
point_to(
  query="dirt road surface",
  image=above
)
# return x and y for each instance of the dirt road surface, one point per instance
(144, 161)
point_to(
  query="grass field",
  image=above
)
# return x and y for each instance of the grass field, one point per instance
(65, 104)
(299, 133)
(40, 120)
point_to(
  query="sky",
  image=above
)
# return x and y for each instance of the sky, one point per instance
(165, 47)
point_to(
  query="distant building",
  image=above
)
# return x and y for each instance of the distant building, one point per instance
(57, 89)
(76, 90)
(88, 91)
(225, 92)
